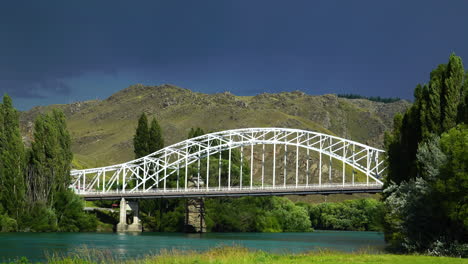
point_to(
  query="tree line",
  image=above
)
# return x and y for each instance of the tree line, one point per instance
(426, 190)
(370, 98)
(34, 181)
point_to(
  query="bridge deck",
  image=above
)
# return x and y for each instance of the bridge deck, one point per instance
(234, 191)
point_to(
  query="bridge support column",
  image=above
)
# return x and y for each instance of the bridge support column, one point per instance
(123, 226)
(195, 216)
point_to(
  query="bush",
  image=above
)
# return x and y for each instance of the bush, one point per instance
(256, 214)
(357, 215)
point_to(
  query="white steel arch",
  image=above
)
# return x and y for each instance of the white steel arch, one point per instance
(151, 173)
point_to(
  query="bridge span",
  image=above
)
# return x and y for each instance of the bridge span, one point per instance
(234, 163)
(241, 162)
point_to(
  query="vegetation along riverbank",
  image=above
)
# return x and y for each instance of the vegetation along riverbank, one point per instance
(238, 255)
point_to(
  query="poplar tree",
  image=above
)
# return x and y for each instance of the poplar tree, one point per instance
(421, 197)
(155, 139)
(141, 138)
(49, 178)
(433, 121)
(50, 158)
(451, 92)
(11, 160)
(463, 109)
(64, 150)
(437, 107)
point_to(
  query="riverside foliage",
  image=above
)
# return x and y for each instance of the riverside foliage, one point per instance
(34, 194)
(238, 255)
(426, 190)
(354, 215)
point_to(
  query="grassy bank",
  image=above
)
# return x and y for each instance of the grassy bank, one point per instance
(241, 256)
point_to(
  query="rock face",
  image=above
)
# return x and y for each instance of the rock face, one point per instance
(102, 131)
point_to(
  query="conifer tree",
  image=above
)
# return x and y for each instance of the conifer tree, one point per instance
(141, 138)
(156, 141)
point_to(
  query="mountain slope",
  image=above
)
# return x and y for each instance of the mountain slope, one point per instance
(102, 131)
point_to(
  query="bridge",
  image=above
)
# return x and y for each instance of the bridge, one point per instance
(240, 162)
(177, 170)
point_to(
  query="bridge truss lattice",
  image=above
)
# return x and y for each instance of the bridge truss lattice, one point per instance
(178, 168)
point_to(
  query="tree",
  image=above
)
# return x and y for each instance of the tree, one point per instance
(432, 98)
(256, 214)
(426, 181)
(452, 184)
(195, 132)
(451, 92)
(141, 138)
(431, 210)
(436, 109)
(147, 141)
(54, 206)
(155, 139)
(11, 160)
(463, 109)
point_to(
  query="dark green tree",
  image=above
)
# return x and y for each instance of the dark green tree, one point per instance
(11, 161)
(54, 205)
(451, 92)
(437, 107)
(432, 98)
(451, 186)
(151, 207)
(195, 132)
(141, 138)
(416, 217)
(155, 139)
(463, 109)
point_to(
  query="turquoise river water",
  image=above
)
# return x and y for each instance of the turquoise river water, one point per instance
(36, 246)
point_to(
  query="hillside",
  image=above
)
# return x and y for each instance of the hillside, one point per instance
(102, 131)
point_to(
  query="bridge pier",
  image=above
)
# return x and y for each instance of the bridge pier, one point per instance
(195, 216)
(123, 225)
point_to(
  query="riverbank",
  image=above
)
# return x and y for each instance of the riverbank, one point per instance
(239, 255)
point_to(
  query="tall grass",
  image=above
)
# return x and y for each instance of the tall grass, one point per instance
(239, 255)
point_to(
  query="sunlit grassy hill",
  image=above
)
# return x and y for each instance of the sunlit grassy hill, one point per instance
(102, 131)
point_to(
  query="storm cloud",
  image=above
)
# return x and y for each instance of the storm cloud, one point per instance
(52, 50)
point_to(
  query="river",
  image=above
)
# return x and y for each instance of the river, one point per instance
(36, 246)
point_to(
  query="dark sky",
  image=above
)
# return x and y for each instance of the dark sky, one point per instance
(66, 51)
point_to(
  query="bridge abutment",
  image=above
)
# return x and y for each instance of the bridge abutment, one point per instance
(123, 225)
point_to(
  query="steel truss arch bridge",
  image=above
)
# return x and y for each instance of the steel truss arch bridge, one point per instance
(184, 170)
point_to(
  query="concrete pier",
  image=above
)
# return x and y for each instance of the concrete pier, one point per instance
(195, 216)
(123, 225)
